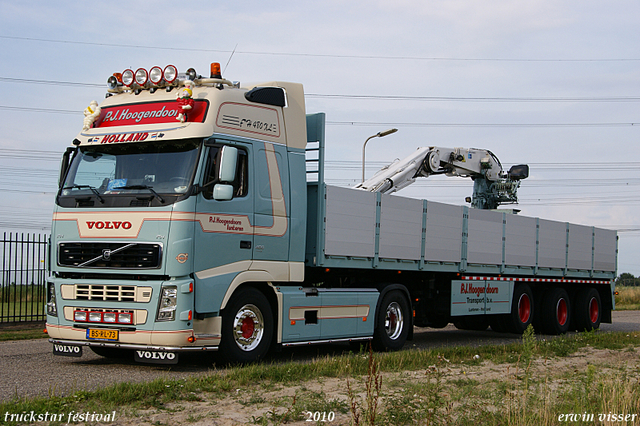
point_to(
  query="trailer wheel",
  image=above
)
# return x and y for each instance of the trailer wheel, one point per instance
(392, 322)
(247, 327)
(556, 311)
(588, 309)
(522, 310)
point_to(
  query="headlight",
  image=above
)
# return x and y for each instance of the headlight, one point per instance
(109, 317)
(168, 304)
(51, 300)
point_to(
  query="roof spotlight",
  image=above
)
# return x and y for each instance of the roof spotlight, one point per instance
(112, 83)
(192, 74)
(127, 77)
(155, 75)
(170, 73)
(141, 76)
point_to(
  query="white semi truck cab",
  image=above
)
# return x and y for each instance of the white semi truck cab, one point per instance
(185, 221)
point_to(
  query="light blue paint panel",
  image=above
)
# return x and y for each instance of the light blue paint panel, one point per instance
(209, 292)
(295, 297)
(332, 313)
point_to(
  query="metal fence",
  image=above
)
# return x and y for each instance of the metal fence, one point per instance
(24, 273)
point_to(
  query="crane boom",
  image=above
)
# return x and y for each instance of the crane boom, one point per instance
(492, 186)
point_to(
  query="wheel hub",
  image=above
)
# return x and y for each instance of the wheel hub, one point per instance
(393, 323)
(248, 326)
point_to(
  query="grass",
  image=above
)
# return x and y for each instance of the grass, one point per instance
(30, 332)
(628, 298)
(519, 397)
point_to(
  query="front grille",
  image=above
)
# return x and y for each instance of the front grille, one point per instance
(110, 255)
(120, 293)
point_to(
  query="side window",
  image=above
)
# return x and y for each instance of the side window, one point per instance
(240, 184)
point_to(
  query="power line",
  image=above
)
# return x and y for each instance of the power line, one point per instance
(377, 123)
(321, 55)
(416, 124)
(382, 97)
(476, 99)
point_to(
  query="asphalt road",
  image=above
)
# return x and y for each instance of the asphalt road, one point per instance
(28, 367)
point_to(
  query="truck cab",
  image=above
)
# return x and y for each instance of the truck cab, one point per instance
(175, 195)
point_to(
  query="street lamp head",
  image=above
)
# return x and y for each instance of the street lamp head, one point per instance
(386, 132)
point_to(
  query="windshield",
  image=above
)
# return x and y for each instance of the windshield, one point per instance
(133, 168)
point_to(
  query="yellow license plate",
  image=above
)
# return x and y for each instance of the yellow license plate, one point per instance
(100, 334)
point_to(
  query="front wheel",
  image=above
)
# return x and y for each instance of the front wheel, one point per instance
(392, 322)
(247, 327)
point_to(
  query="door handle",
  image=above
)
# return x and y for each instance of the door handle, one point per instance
(245, 244)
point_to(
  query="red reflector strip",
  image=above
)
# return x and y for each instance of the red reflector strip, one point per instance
(534, 280)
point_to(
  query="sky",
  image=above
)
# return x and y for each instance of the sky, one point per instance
(553, 84)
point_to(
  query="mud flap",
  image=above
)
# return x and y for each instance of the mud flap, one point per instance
(67, 350)
(156, 357)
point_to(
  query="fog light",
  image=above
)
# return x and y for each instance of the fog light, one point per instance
(95, 316)
(125, 318)
(109, 317)
(80, 316)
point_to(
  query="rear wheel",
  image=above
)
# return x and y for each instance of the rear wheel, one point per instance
(247, 327)
(522, 309)
(587, 310)
(392, 322)
(556, 311)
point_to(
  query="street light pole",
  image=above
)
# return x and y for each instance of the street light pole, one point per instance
(377, 135)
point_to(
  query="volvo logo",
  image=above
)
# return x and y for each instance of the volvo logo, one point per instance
(106, 254)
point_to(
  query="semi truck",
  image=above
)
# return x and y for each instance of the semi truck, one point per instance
(192, 215)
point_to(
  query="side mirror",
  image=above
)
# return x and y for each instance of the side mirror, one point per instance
(64, 165)
(228, 164)
(222, 192)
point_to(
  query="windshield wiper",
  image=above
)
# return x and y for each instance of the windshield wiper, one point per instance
(93, 189)
(141, 187)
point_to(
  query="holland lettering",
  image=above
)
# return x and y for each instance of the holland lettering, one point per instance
(125, 137)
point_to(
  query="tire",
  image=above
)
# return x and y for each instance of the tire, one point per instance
(113, 353)
(247, 327)
(392, 322)
(556, 311)
(587, 309)
(522, 310)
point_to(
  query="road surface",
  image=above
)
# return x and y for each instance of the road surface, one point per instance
(30, 369)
